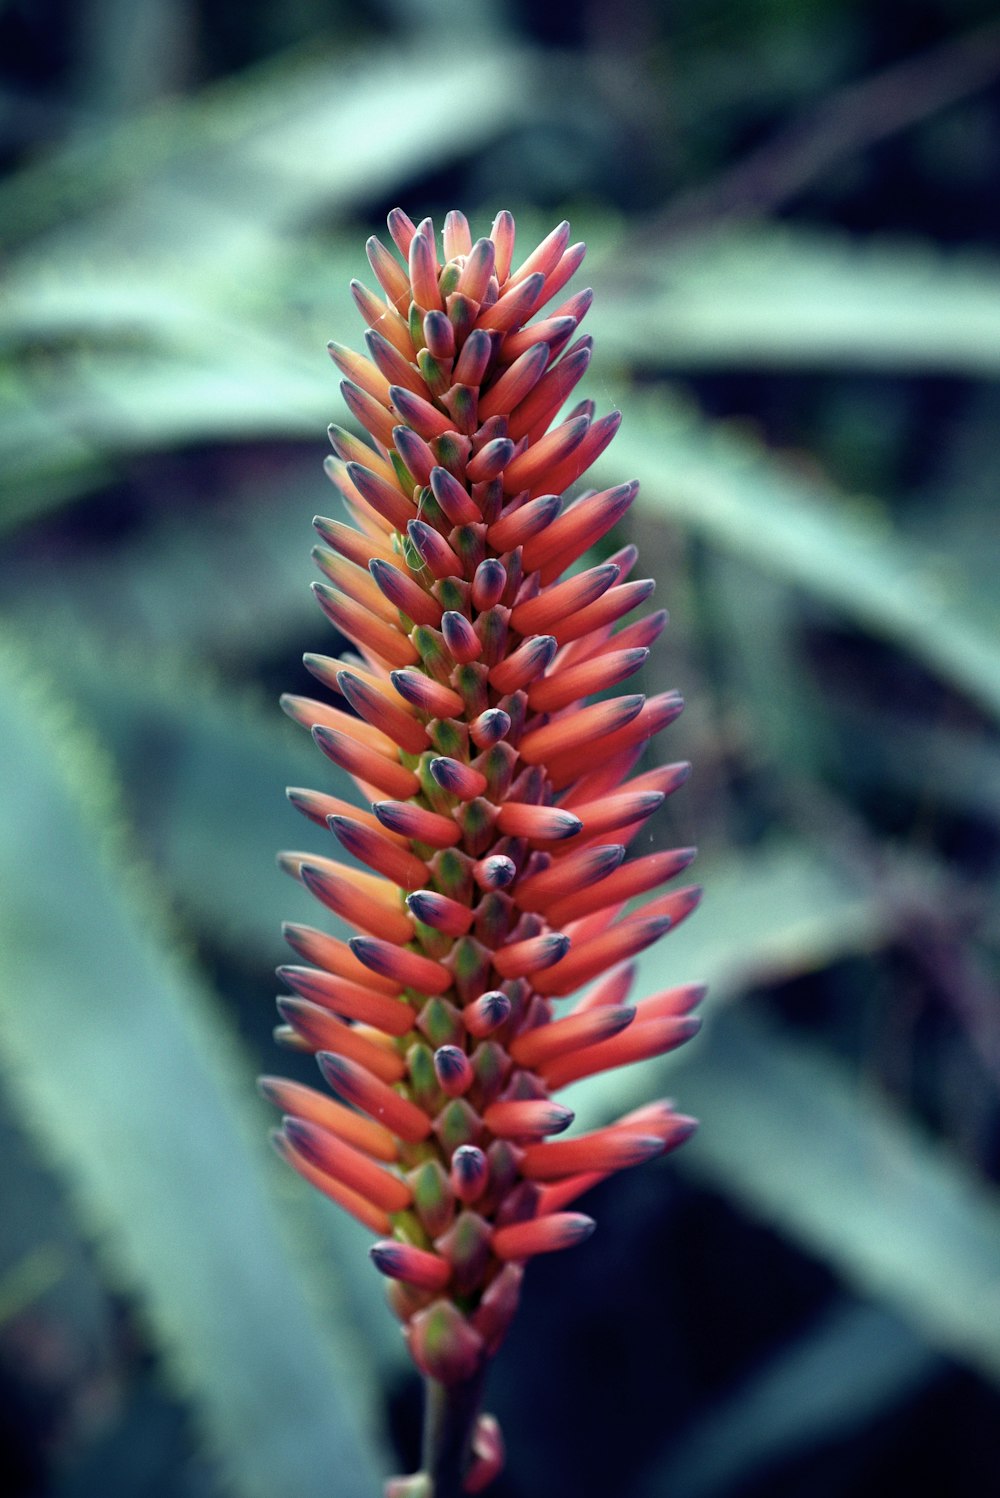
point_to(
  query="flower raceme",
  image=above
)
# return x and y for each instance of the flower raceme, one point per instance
(475, 719)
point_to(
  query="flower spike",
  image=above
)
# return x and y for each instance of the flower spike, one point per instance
(479, 712)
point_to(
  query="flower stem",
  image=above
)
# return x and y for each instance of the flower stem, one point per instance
(450, 1412)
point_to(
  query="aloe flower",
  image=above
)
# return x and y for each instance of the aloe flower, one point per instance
(475, 719)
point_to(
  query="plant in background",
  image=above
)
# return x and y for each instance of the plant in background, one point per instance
(500, 775)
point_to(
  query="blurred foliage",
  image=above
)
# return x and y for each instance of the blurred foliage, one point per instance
(795, 243)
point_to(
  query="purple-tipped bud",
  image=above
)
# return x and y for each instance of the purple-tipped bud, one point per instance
(487, 1013)
(454, 1071)
(469, 1173)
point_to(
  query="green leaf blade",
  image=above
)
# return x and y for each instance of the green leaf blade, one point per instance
(131, 1082)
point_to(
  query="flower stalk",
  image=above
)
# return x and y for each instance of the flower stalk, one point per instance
(488, 883)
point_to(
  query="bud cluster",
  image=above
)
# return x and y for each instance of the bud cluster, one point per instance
(474, 717)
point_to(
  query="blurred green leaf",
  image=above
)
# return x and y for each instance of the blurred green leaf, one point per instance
(776, 911)
(728, 490)
(788, 1134)
(167, 354)
(131, 1080)
(938, 765)
(781, 297)
(219, 813)
(45, 1267)
(813, 1152)
(218, 576)
(163, 200)
(755, 623)
(224, 815)
(264, 152)
(852, 1368)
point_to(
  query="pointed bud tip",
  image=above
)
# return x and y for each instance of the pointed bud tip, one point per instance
(297, 1130)
(450, 1059)
(330, 1063)
(583, 1228)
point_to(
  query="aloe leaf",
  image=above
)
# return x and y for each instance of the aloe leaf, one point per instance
(788, 1134)
(219, 813)
(856, 1366)
(728, 491)
(900, 1219)
(761, 663)
(776, 297)
(957, 768)
(202, 582)
(172, 354)
(189, 171)
(131, 1080)
(782, 910)
(44, 1266)
(174, 185)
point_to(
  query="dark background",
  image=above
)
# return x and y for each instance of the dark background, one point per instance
(794, 213)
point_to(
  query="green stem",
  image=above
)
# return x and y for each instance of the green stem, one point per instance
(450, 1412)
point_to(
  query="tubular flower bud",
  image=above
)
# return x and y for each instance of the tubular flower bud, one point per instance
(480, 718)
